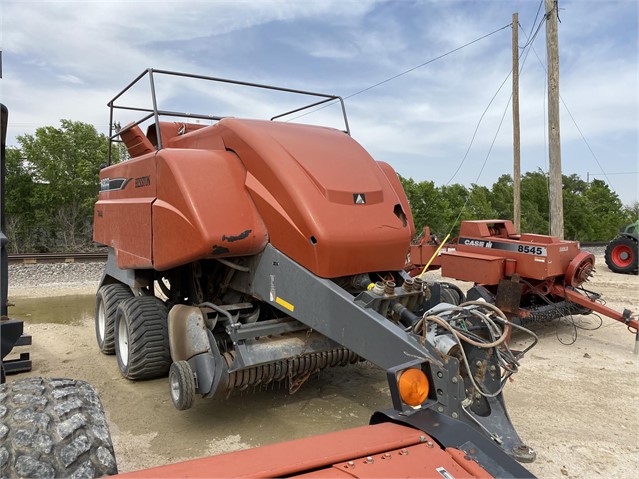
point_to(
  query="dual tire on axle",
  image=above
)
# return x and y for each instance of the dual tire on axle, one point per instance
(135, 329)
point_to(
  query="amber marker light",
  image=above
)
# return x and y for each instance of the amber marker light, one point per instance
(413, 386)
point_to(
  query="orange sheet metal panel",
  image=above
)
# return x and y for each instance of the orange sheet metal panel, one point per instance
(326, 203)
(473, 267)
(203, 209)
(420, 461)
(538, 256)
(331, 451)
(122, 214)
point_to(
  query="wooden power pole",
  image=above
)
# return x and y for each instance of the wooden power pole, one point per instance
(516, 137)
(552, 52)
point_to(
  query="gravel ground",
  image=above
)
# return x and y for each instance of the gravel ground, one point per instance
(575, 405)
(54, 274)
(80, 274)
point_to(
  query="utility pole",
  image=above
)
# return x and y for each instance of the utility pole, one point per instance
(516, 133)
(552, 54)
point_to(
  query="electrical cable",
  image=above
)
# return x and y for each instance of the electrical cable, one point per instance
(531, 39)
(405, 72)
(574, 122)
(453, 318)
(462, 209)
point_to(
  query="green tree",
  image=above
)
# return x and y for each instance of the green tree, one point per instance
(534, 203)
(502, 197)
(64, 163)
(605, 211)
(20, 202)
(480, 203)
(577, 224)
(425, 203)
(454, 209)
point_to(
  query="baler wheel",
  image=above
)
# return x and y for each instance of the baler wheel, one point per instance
(621, 255)
(182, 384)
(142, 338)
(107, 300)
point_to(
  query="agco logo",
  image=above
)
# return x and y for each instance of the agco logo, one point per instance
(359, 198)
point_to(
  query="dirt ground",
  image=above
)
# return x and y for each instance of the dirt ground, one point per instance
(574, 400)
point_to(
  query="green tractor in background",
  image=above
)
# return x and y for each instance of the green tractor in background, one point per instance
(621, 253)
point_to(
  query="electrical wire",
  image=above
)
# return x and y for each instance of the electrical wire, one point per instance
(574, 122)
(521, 69)
(454, 318)
(531, 39)
(405, 72)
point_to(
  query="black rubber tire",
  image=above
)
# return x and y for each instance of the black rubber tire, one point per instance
(142, 338)
(53, 428)
(629, 245)
(181, 385)
(451, 294)
(108, 298)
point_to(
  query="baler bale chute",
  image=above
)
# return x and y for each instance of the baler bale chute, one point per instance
(244, 252)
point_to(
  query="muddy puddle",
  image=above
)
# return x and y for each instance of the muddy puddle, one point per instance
(72, 309)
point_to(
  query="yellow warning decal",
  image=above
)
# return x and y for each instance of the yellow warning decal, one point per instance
(286, 304)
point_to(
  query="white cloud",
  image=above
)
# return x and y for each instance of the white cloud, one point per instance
(66, 59)
(70, 79)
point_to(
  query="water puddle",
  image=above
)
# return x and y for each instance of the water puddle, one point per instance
(71, 309)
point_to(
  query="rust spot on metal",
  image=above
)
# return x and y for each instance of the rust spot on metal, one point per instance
(219, 250)
(241, 236)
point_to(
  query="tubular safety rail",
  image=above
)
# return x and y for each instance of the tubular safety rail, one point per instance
(156, 113)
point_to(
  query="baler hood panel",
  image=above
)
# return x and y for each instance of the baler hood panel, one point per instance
(336, 208)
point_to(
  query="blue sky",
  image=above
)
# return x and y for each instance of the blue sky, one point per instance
(66, 59)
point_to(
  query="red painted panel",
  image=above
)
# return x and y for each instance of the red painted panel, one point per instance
(304, 181)
(477, 268)
(314, 192)
(122, 216)
(203, 209)
(326, 455)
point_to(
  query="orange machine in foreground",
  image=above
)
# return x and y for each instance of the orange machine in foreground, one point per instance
(244, 252)
(249, 252)
(381, 450)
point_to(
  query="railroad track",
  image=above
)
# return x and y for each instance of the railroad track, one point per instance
(32, 258)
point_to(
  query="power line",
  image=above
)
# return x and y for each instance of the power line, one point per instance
(541, 22)
(521, 69)
(477, 127)
(428, 62)
(485, 162)
(576, 125)
(405, 72)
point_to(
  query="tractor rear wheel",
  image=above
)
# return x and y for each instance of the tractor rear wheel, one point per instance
(142, 338)
(107, 301)
(621, 255)
(53, 428)
(182, 384)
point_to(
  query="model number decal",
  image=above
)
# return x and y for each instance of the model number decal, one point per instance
(514, 247)
(142, 181)
(536, 250)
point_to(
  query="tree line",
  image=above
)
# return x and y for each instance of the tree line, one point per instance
(52, 185)
(592, 211)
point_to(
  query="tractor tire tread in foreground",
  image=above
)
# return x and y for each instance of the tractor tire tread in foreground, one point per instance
(53, 428)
